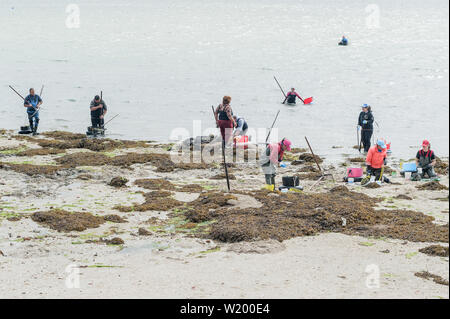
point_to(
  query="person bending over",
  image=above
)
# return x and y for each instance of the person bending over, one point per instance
(98, 111)
(272, 158)
(241, 126)
(376, 159)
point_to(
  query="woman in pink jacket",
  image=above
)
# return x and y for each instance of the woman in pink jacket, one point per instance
(272, 158)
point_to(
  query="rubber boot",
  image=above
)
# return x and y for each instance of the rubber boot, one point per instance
(35, 129)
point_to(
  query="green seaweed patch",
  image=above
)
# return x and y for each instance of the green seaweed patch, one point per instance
(211, 250)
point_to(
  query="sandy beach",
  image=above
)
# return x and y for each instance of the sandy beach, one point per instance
(86, 218)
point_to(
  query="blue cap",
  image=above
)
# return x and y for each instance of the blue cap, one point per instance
(381, 143)
(365, 105)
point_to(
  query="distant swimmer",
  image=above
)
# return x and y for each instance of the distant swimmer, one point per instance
(291, 97)
(344, 41)
(32, 103)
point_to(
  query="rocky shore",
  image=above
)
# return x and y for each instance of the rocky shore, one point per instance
(137, 224)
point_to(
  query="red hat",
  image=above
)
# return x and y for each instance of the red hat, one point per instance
(425, 143)
(287, 143)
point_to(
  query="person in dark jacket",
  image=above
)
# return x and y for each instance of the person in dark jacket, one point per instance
(98, 111)
(33, 103)
(365, 122)
(291, 97)
(426, 160)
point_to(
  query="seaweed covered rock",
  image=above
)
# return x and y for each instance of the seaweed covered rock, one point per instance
(32, 170)
(284, 216)
(118, 182)
(432, 186)
(64, 221)
(435, 250)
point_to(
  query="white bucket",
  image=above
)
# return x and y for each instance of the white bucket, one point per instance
(372, 179)
(419, 170)
(408, 175)
(351, 180)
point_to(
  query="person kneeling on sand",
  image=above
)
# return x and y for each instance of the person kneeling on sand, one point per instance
(425, 160)
(376, 160)
(273, 155)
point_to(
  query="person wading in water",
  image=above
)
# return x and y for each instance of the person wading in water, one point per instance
(224, 119)
(32, 103)
(365, 122)
(98, 111)
(291, 97)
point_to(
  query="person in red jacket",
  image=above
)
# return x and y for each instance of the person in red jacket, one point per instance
(376, 159)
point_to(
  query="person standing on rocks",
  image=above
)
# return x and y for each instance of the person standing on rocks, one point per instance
(98, 111)
(33, 102)
(365, 124)
(224, 119)
(271, 159)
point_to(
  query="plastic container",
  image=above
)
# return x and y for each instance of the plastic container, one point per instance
(409, 167)
(419, 170)
(355, 172)
(351, 180)
(407, 175)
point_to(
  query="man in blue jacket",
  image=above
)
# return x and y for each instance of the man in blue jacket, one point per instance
(32, 103)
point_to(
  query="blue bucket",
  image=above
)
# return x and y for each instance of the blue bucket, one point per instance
(409, 167)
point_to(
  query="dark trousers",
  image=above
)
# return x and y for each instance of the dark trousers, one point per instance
(377, 173)
(428, 171)
(270, 179)
(97, 122)
(366, 135)
(34, 121)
